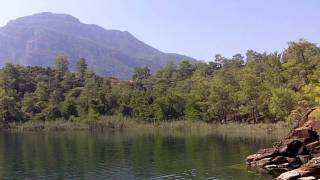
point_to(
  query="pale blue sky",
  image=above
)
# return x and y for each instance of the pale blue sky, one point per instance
(198, 28)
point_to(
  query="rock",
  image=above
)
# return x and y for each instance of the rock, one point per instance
(305, 133)
(312, 145)
(271, 167)
(289, 175)
(303, 151)
(283, 149)
(261, 163)
(313, 148)
(304, 158)
(307, 178)
(252, 157)
(314, 124)
(314, 162)
(304, 173)
(261, 154)
(312, 165)
(295, 165)
(267, 150)
(311, 168)
(315, 155)
(298, 154)
(279, 160)
(293, 147)
(292, 160)
(283, 165)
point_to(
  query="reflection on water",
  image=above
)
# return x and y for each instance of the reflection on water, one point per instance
(127, 155)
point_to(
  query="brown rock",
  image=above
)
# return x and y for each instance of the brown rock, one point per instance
(283, 149)
(292, 160)
(303, 151)
(307, 178)
(279, 160)
(261, 154)
(314, 124)
(252, 157)
(313, 164)
(301, 132)
(295, 165)
(314, 147)
(283, 165)
(311, 168)
(308, 133)
(261, 163)
(289, 175)
(298, 153)
(267, 150)
(271, 166)
(304, 158)
(304, 134)
(315, 155)
(293, 147)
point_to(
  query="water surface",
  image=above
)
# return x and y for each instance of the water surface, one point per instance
(128, 155)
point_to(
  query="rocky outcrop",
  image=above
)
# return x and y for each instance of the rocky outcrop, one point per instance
(295, 157)
(310, 170)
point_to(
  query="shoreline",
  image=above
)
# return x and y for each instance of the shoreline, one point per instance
(128, 124)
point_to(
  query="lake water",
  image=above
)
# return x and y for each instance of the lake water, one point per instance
(128, 155)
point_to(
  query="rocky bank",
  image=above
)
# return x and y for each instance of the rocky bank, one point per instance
(297, 156)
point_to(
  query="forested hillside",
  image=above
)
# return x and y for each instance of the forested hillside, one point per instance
(259, 88)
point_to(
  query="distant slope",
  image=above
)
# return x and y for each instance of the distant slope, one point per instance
(39, 38)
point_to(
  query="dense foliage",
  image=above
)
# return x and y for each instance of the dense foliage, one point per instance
(261, 87)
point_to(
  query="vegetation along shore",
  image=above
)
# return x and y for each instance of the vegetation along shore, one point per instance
(261, 88)
(116, 123)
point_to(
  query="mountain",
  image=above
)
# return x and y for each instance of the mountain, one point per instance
(37, 39)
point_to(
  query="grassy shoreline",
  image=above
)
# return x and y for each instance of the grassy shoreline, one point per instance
(128, 124)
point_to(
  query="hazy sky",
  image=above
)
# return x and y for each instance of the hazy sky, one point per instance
(198, 28)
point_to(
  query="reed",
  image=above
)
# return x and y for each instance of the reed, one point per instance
(130, 124)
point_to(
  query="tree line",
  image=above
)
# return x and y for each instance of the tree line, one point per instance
(261, 87)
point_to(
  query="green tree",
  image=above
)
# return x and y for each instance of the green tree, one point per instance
(193, 111)
(185, 69)
(312, 91)
(62, 64)
(69, 107)
(282, 102)
(141, 74)
(170, 107)
(88, 98)
(9, 111)
(30, 105)
(82, 67)
(299, 62)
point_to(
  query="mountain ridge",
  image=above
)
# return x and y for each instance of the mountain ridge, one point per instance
(37, 39)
